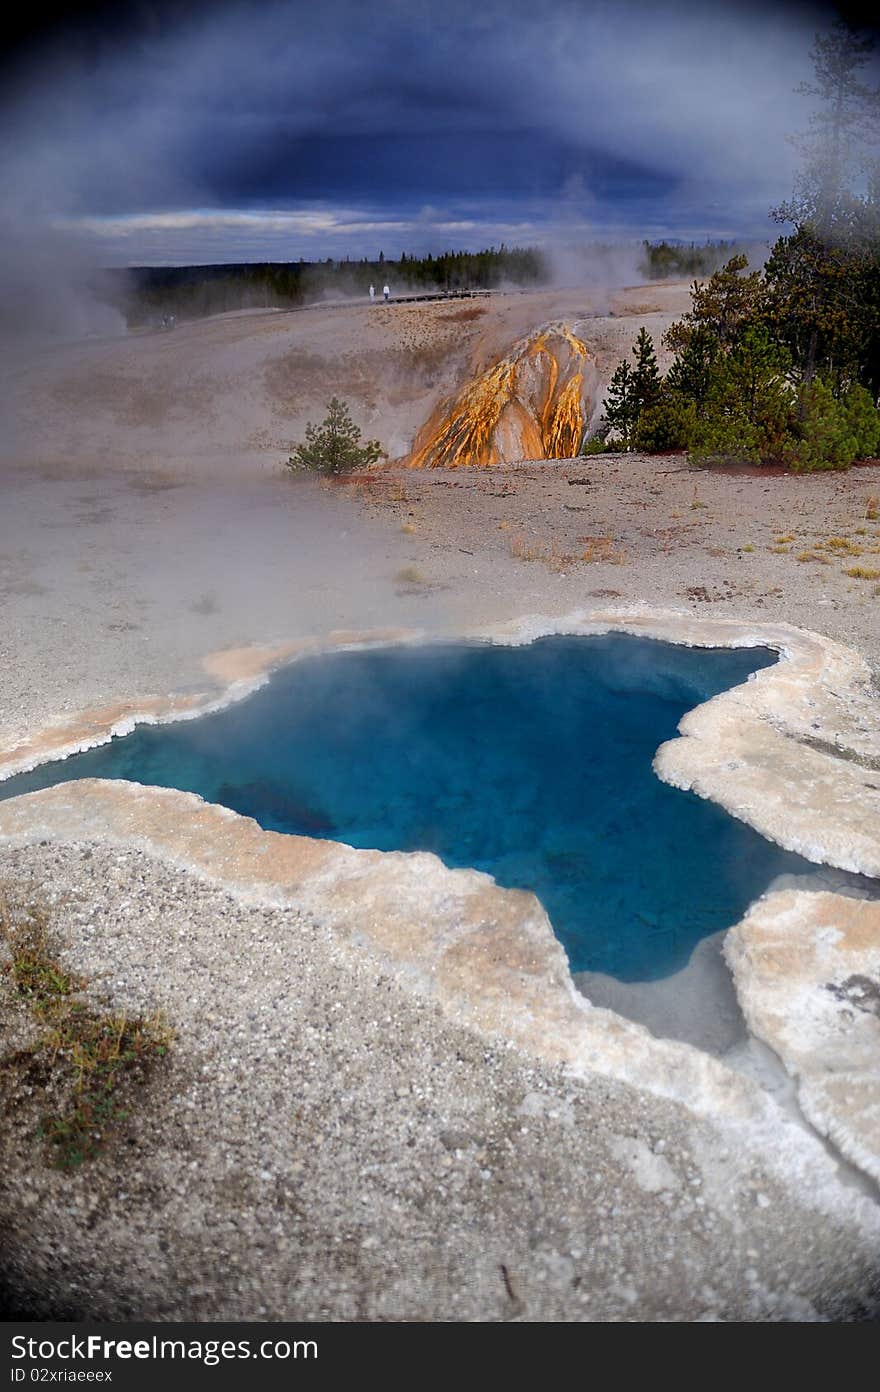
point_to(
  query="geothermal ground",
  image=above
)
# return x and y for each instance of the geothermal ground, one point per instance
(326, 1141)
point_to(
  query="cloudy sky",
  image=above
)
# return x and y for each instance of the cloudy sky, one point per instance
(171, 133)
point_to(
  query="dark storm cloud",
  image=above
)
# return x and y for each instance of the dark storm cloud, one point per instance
(398, 115)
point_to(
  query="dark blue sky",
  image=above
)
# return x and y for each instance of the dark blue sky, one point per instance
(277, 130)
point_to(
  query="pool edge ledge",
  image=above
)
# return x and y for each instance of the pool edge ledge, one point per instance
(806, 968)
(486, 955)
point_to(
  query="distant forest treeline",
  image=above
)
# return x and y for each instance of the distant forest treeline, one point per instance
(665, 260)
(147, 294)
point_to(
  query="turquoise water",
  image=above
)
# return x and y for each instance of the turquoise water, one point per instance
(533, 763)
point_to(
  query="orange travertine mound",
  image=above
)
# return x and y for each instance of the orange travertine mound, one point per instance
(529, 405)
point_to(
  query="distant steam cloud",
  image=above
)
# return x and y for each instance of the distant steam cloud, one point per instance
(280, 130)
(50, 288)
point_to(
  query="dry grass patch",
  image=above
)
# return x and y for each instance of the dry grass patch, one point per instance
(550, 553)
(91, 1063)
(861, 572)
(601, 548)
(842, 546)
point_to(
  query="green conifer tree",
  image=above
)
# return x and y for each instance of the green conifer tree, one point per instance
(619, 414)
(721, 309)
(334, 446)
(646, 377)
(690, 376)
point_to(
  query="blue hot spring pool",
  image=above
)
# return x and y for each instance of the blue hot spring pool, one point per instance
(533, 763)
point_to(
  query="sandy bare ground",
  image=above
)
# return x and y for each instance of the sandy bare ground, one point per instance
(419, 1171)
(115, 585)
(232, 394)
(628, 528)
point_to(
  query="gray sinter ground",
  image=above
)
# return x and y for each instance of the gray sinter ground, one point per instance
(324, 1145)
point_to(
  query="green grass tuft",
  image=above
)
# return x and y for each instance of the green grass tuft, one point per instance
(93, 1060)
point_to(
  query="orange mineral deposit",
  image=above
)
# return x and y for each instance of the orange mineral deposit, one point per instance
(529, 405)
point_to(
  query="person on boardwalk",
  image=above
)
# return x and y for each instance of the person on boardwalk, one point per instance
(386, 292)
(372, 293)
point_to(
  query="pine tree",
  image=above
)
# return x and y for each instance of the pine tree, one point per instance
(632, 390)
(619, 414)
(646, 377)
(690, 376)
(839, 145)
(824, 281)
(722, 308)
(334, 447)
